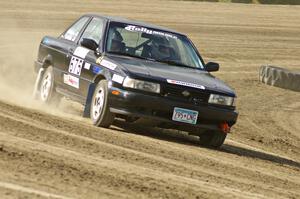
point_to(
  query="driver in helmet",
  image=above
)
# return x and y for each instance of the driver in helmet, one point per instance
(115, 41)
(160, 49)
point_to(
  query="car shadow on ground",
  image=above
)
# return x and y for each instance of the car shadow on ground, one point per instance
(259, 155)
(183, 138)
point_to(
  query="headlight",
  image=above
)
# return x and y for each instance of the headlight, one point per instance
(221, 100)
(141, 85)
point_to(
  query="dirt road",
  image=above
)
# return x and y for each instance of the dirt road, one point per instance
(46, 153)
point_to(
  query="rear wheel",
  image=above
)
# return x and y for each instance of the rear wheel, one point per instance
(47, 89)
(100, 113)
(213, 139)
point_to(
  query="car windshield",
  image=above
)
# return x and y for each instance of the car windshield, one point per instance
(152, 44)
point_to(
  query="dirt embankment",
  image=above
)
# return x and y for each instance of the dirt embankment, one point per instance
(47, 153)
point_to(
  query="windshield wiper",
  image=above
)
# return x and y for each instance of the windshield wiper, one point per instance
(130, 55)
(170, 62)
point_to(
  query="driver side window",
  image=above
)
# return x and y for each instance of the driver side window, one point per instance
(93, 31)
(72, 33)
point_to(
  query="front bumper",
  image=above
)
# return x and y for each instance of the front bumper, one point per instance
(160, 108)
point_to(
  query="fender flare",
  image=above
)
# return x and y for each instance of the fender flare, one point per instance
(104, 74)
(47, 61)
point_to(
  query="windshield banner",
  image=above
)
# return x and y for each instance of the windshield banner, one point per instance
(151, 32)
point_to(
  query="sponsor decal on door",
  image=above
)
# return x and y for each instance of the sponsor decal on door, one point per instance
(71, 81)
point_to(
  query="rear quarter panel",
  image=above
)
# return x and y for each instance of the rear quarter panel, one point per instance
(53, 51)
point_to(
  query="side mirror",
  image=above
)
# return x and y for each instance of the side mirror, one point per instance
(89, 43)
(212, 66)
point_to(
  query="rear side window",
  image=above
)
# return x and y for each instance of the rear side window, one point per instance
(72, 33)
(94, 30)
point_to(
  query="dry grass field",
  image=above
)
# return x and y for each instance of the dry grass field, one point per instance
(46, 153)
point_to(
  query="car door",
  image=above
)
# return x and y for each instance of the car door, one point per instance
(70, 76)
(87, 57)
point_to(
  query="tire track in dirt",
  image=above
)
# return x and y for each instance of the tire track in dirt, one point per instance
(155, 161)
(272, 123)
(42, 124)
(113, 147)
(19, 188)
(289, 118)
(181, 182)
(67, 156)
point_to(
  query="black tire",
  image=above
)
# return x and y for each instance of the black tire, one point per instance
(100, 114)
(213, 139)
(47, 93)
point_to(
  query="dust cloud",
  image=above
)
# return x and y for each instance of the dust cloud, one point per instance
(16, 69)
(18, 51)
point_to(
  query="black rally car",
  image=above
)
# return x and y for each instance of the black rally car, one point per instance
(132, 70)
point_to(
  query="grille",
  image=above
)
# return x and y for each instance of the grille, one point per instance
(196, 96)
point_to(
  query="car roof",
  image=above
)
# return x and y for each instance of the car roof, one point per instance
(133, 22)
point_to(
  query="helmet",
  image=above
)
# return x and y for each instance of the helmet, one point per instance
(115, 39)
(160, 48)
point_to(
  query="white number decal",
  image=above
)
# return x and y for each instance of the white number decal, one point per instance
(75, 65)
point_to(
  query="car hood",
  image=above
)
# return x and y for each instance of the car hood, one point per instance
(135, 68)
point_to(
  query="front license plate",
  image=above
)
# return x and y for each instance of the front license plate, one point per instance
(185, 115)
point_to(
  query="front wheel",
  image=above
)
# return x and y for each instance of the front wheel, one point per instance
(213, 139)
(100, 113)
